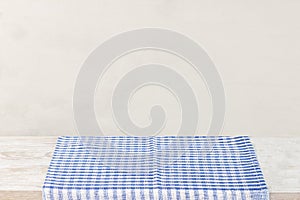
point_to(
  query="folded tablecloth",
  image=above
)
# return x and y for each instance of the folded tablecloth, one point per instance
(166, 167)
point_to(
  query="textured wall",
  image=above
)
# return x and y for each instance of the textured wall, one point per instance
(254, 44)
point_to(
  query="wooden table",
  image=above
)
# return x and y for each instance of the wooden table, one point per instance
(24, 162)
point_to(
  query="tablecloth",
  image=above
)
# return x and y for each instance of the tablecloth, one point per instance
(166, 167)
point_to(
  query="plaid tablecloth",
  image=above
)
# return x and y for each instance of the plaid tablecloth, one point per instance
(155, 168)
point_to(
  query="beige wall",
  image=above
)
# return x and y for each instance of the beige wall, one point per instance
(254, 44)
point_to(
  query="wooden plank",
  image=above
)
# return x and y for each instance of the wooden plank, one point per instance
(20, 195)
(24, 162)
(279, 159)
(284, 196)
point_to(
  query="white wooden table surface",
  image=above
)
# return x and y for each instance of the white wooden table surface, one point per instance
(24, 162)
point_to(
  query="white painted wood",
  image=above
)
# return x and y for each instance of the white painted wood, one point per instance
(279, 159)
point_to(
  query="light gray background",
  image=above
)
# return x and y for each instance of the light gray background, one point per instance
(254, 44)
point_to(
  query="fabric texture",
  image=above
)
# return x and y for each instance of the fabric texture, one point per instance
(167, 167)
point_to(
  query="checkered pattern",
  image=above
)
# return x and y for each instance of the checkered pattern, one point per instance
(154, 168)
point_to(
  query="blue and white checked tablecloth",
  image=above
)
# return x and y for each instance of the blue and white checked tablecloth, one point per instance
(155, 168)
